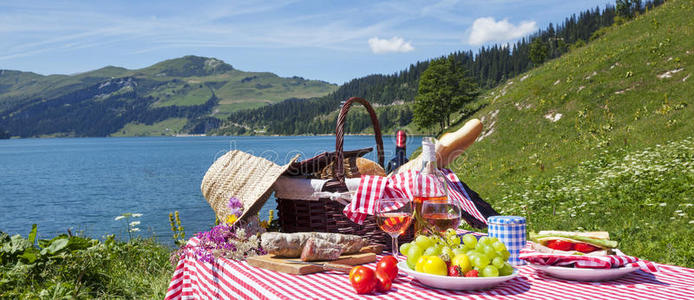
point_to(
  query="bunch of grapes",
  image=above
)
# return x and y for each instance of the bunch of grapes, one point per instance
(488, 256)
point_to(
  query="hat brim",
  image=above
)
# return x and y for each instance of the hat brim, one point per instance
(244, 176)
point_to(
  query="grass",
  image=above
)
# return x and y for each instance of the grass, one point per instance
(170, 126)
(613, 106)
(196, 95)
(645, 199)
(78, 267)
(265, 87)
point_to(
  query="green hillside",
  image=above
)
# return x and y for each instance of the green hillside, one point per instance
(199, 89)
(599, 139)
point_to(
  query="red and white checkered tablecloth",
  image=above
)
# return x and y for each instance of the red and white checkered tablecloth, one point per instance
(230, 279)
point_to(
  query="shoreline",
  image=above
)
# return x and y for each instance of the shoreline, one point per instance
(201, 135)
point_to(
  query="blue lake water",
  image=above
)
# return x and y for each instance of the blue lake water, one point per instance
(84, 183)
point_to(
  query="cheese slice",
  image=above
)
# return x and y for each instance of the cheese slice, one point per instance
(603, 235)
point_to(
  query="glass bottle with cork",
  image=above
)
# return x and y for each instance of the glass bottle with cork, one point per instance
(433, 208)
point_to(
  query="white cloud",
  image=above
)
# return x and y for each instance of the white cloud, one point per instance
(488, 30)
(395, 44)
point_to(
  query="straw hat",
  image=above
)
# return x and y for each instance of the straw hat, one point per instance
(241, 175)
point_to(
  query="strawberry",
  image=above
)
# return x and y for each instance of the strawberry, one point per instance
(472, 273)
(585, 248)
(560, 245)
(455, 271)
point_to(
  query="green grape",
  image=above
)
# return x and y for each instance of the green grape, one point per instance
(450, 232)
(437, 240)
(480, 261)
(415, 252)
(485, 240)
(404, 247)
(498, 262)
(489, 252)
(473, 253)
(505, 254)
(423, 241)
(493, 240)
(465, 248)
(499, 246)
(432, 251)
(490, 271)
(458, 250)
(506, 270)
(412, 261)
(453, 240)
(448, 251)
(470, 241)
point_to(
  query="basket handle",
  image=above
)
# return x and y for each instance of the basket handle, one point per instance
(340, 136)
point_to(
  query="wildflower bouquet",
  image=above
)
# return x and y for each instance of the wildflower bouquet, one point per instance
(233, 239)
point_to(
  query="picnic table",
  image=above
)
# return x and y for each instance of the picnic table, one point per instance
(232, 279)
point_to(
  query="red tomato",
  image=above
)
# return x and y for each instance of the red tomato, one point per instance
(389, 265)
(560, 245)
(585, 248)
(352, 272)
(363, 279)
(383, 281)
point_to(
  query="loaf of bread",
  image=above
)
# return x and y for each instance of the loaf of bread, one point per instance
(450, 145)
(363, 167)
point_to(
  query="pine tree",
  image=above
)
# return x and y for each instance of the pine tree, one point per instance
(538, 51)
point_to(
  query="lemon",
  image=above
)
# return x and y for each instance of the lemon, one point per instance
(463, 261)
(420, 263)
(432, 265)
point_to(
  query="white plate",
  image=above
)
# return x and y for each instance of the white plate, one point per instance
(456, 283)
(585, 274)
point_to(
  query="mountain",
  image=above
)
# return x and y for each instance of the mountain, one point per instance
(599, 139)
(183, 95)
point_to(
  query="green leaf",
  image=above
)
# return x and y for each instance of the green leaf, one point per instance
(30, 254)
(78, 243)
(32, 234)
(43, 243)
(56, 246)
(17, 244)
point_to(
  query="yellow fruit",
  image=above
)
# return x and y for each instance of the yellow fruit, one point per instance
(432, 265)
(420, 263)
(463, 261)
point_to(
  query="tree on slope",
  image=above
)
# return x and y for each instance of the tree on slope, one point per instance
(444, 88)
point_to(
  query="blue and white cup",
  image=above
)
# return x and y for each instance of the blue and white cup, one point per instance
(510, 230)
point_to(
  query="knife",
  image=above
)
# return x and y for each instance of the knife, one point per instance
(326, 266)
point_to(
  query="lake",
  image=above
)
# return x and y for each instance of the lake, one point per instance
(84, 183)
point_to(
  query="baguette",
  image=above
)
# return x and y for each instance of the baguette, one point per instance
(452, 144)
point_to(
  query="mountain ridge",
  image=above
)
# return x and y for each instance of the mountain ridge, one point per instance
(171, 88)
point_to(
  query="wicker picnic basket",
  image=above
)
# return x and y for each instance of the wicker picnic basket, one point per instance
(325, 214)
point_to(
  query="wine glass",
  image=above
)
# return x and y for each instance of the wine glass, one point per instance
(441, 214)
(394, 216)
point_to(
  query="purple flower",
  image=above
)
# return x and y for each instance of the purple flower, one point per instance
(235, 206)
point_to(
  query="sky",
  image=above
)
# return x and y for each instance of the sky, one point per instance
(334, 41)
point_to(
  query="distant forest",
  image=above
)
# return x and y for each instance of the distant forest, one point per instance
(489, 66)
